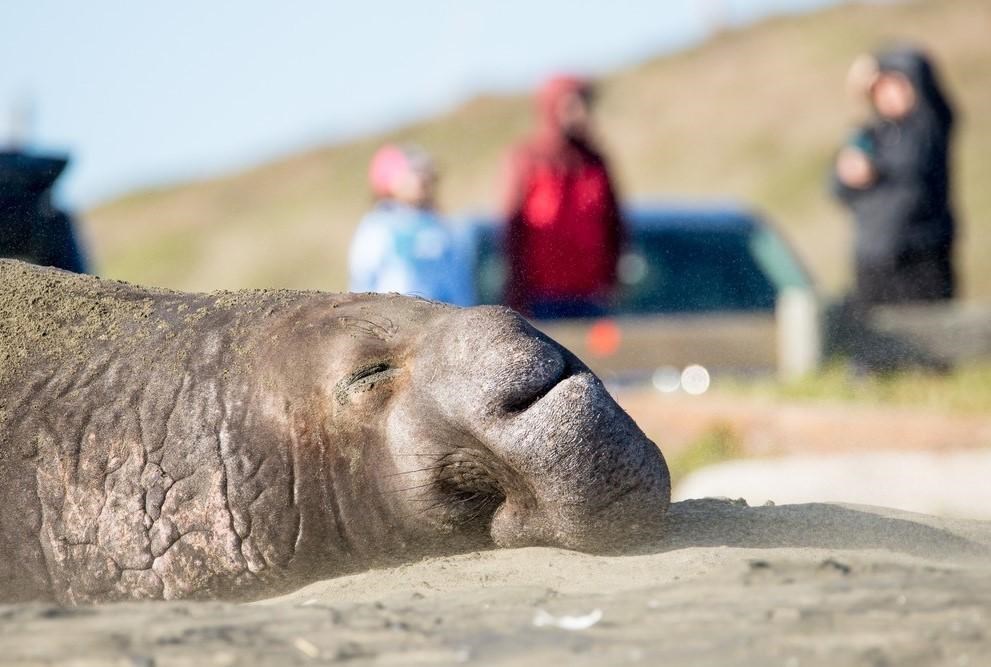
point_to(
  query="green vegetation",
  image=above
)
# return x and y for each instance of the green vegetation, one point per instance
(752, 114)
(965, 390)
(718, 443)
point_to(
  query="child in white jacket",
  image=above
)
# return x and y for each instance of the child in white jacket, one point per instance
(403, 245)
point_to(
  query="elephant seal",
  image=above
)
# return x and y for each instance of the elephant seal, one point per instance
(235, 445)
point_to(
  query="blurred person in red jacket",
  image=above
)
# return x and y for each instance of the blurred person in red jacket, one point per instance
(563, 225)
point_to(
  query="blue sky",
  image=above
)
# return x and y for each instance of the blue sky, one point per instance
(146, 93)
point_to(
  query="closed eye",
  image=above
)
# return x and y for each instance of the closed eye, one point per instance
(368, 371)
(365, 379)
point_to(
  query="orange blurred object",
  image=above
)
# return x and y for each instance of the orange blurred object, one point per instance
(604, 338)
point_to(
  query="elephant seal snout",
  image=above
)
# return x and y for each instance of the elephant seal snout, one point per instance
(572, 469)
(155, 444)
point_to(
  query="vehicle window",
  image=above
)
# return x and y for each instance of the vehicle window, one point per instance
(777, 261)
(490, 267)
(695, 271)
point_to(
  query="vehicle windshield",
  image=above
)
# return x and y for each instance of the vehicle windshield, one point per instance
(679, 269)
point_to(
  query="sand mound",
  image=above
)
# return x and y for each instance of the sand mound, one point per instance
(731, 585)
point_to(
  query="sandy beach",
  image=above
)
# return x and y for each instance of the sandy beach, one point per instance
(813, 584)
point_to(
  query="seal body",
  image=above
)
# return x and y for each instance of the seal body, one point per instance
(156, 444)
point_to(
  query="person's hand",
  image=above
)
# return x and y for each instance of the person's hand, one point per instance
(854, 168)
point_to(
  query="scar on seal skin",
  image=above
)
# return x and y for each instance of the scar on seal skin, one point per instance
(155, 444)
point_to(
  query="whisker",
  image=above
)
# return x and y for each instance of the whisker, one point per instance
(410, 472)
(483, 507)
(437, 454)
(448, 501)
(411, 488)
(424, 510)
(431, 499)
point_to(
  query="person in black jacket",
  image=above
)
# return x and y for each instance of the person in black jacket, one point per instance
(31, 227)
(894, 175)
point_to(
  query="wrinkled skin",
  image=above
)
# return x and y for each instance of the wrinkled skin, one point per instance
(163, 445)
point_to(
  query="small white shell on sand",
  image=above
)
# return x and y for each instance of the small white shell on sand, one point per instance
(542, 619)
(306, 647)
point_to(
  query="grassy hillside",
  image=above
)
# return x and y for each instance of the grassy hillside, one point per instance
(753, 114)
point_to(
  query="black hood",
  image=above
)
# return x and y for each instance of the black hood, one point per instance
(25, 177)
(915, 65)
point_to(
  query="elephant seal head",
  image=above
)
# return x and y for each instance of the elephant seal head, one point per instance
(468, 428)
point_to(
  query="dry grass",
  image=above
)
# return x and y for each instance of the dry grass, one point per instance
(965, 390)
(718, 443)
(754, 114)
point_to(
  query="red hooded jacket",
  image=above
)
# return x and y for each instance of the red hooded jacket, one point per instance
(563, 230)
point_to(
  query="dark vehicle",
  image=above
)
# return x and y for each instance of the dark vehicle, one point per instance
(31, 227)
(678, 259)
(699, 285)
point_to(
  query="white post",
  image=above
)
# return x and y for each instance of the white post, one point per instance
(799, 331)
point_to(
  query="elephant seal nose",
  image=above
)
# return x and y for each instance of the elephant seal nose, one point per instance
(538, 377)
(507, 363)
